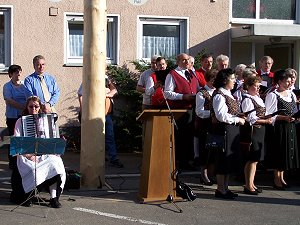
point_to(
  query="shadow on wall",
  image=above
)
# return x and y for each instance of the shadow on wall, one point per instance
(126, 108)
(216, 45)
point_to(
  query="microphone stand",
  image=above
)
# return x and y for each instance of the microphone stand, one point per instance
(172, 124)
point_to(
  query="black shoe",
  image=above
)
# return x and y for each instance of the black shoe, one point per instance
(232, 193)
(116, 163)
(219, 194)
(54, 203)
(285, 185)
(249, 192)
(207, 183)
(280, 188)
(258, 190)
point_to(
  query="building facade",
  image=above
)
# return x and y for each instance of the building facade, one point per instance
(238, 28)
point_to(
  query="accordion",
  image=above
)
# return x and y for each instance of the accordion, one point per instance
(40, 125)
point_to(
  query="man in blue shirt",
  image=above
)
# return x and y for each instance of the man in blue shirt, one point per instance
(42, 85)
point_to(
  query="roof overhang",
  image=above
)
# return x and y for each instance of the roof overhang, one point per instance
(266, 31)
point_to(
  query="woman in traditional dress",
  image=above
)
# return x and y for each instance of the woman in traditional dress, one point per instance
(225, 122)
(254, 146)
(36, 171)
(203, 125)
(282, 150)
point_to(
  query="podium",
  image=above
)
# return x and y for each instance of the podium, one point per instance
(158, 155)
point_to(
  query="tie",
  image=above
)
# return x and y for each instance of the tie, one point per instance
(44, 89)
(188, 75)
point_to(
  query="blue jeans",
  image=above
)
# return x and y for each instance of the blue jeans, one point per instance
(110, 144)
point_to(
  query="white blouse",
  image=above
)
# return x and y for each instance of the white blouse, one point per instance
(271, 102)
(200, 100)
(221, 109)
(247, 105)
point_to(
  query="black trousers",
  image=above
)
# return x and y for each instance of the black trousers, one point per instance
(184, 139)
(10, 123)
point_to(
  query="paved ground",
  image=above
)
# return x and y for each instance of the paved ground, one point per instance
(118, 203)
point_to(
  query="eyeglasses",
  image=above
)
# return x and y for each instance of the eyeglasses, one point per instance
(34, 106)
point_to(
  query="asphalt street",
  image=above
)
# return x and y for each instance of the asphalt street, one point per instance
(116, 203)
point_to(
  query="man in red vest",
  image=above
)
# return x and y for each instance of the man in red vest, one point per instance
(181, 87)
(265, 64)
(206, 64)
(155, 82)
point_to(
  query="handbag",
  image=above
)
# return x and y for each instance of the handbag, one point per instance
(72, 179)
(185, 191)
(215, 142)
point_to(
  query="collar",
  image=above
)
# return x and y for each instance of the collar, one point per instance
(264, 73)
(225, 91)
(181, 69)
(38, 75)
(208, 88)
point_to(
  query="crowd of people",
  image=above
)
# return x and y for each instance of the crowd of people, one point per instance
(38, 94)
(255, 112)
(252, 112)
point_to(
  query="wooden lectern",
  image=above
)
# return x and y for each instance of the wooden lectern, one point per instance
(158, 155)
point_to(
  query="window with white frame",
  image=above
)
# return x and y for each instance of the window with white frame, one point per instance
(161, 36)
(5, 37)
(264, 10)
(74, 39)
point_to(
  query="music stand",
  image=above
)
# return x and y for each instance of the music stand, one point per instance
(36, 146)
(170, 197)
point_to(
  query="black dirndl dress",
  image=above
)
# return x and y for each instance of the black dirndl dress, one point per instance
(228, 160)
(256, 133)
(283, 151)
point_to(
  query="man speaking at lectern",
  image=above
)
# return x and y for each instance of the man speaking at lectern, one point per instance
(180, 89)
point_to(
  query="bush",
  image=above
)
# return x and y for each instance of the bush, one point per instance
(128, 102)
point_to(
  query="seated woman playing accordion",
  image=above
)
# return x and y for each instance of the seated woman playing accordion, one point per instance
(49, 169)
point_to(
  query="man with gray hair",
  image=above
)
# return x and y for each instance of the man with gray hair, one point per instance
(42, 84)
(265, 64)
(181, 87)
(141, 85)
(238, 71)
(222, 62)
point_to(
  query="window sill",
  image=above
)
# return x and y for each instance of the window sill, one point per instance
(4, 70)
(73, 65)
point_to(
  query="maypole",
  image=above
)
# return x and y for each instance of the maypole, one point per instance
(92, 158)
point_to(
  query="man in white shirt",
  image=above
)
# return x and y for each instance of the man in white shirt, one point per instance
(181, 86)
(141, 85)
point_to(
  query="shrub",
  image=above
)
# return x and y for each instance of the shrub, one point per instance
(128, 102)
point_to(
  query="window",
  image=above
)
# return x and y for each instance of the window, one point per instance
(262, 10)
(161, 36)
(5, 37)
(74, 39)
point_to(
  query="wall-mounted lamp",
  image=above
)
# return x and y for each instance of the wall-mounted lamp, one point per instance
(247, 27)
(213, 0)
(275, 40)
(53, 11)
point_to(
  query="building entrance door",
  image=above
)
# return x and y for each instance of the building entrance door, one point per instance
(282, 55)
